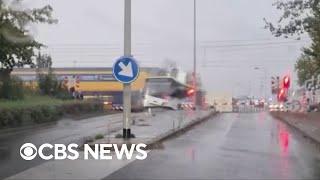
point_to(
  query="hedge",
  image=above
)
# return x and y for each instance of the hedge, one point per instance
(14, 117)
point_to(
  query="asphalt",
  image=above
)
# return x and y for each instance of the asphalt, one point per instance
(63, 132)
(231, 146)
(307, 123)
(146, 126)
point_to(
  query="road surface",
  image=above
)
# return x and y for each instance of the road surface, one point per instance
(72, 131)
(62, 132)
(231, 146)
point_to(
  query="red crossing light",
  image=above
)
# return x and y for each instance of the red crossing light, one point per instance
(282, 95)
(286, 82)
(190, 92)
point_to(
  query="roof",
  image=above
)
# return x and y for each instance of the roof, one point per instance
(169, 77)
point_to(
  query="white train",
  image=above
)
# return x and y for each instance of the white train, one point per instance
(167, 92)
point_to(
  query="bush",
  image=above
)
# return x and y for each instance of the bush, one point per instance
(48, 84)
(18, 116)
(11, 117)
(5, 118)
(82, 107)
(63, 95)
(14, 117)
(99, 136)
(11, 89)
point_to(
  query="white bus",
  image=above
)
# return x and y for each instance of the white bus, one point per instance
(167, 92)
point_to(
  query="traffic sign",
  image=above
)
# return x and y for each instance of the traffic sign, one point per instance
(126, 69)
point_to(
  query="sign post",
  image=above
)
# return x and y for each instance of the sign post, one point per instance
(126, 86)
(126, 70)
(126, 111)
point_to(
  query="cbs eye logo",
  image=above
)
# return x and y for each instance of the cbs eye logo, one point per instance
(28, 151)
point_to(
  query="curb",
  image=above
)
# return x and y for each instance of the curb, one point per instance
(153, 142)
(296, 127)
(178, 131)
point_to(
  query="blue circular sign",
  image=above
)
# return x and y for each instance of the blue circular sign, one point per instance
(126, 69)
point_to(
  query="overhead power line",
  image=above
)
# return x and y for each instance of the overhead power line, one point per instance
(253, 44)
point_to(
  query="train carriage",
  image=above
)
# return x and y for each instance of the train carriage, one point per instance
(167, 92)
(92, 82)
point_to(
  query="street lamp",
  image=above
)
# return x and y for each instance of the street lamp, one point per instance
(195, 49)
(265, 79)
(195, 37)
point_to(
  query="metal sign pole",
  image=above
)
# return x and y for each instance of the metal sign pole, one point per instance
(127, 86)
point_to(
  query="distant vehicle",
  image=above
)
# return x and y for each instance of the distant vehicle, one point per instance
(222, 102)
(259, 103)
(166, 92)
(241, 100)
(278, 107)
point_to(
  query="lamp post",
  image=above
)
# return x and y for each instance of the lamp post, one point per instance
(265, 79)
(195, 49)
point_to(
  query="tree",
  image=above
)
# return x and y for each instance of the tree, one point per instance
(299, 17)
(43, 61)
(306, 68)
(17, 45)
(47, 82)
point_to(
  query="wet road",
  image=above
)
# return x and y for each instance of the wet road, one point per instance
(231, 146)
(63, 132)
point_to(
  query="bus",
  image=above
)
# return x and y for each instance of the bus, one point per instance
(167, 92)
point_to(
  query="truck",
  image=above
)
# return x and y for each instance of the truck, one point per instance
(221, 101)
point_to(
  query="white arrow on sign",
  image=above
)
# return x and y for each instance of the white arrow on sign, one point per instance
(126, 70)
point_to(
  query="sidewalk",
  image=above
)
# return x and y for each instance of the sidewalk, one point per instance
(306, 123)
(62, 132)
(147, 128)
(153, 129)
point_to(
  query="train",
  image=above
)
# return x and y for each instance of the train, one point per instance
(167, 92)
(93, 83)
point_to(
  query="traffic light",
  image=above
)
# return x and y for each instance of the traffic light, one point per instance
(190, 92)
(273, 81)
(282, 95)
(286, 82)
(275, 84)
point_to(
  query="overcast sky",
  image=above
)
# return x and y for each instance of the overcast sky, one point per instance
(231, 38)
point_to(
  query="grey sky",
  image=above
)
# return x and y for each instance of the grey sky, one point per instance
(90, 33)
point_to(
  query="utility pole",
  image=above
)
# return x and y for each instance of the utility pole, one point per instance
(127, 86)
(265, 80)
(204, 56)
(195, 50)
